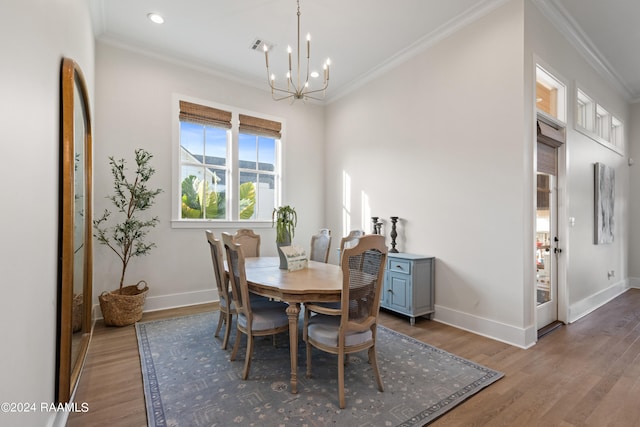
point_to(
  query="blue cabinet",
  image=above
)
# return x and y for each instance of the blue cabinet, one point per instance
(409, 285)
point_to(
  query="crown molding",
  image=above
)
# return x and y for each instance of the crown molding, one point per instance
(460, 21)
(569, 28)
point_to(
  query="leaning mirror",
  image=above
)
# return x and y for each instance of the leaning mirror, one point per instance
(75, 270)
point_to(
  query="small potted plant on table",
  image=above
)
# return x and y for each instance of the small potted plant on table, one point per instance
(285, 219)
(126, 239)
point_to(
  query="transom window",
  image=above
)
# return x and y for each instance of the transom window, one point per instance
(229, 165)
(551, 95)
(596, 122)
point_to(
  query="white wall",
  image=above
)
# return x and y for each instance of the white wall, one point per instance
(587, 264)
(133, 110)
(634, 197)
(439, 142)
(446, 142)
(34, 36)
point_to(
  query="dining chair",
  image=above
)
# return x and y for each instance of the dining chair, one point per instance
(320, 244)
(227, 307)
(350, 240)
(353, 327)
(250, 242)
(253, 320)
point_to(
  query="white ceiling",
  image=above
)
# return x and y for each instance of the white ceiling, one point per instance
(362, 37)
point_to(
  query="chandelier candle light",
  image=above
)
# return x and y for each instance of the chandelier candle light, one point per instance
(297, 90)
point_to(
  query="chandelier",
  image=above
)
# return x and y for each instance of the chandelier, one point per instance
(297, 89)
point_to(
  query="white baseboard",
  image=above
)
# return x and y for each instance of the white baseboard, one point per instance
(519, 337)
(634, 282)
(516, 336)
(585, 306)
(164, 302)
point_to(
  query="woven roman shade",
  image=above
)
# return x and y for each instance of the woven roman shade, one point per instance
(204, 115)
(547, 159)
(549, 139)
(549, 135)
(258, 126)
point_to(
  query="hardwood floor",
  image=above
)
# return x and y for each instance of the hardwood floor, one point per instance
(583, 374)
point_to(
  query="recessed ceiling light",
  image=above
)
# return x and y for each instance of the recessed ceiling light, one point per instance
(315, 74)
(154, 17)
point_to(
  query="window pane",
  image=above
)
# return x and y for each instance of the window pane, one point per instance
(190, 178)
(266, 196)
(247, 152)
(192, 139)
(203, 195)
(603, 123)
(247, 197)
(616, 132)
(215, 147)
(266, 154)
(586, 111)
(550, 94)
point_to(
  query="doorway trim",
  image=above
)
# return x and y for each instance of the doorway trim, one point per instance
(562, 219)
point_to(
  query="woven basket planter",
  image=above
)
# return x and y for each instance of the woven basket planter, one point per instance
(123, 306)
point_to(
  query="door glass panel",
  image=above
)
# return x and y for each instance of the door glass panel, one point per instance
(543, 239)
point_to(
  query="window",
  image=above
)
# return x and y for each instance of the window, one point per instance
(585, 110)
(594, 121)
(257, 155)
(603, 123)
(551, 95)
(616, 132)
(229, 167)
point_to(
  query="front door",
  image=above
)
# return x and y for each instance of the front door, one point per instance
(547, 250)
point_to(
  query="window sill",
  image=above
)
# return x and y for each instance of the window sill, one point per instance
(210, 224)
(599, 140)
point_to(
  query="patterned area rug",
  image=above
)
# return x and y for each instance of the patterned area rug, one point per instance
(189, 380)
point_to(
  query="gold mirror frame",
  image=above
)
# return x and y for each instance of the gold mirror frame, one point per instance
(75, 233)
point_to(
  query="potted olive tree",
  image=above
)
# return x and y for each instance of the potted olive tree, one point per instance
(126, 236)
(285, 219)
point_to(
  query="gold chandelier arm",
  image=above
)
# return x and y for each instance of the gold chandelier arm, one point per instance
(282, 97)
(316, 90)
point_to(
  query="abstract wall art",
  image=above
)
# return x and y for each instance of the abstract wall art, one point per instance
(604, 203)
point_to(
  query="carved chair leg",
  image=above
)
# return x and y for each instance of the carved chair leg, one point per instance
(227, 331)
(373, 359)
(308, 359)
(247, 358)
(236, 345)
(220, 321)
(341, 379)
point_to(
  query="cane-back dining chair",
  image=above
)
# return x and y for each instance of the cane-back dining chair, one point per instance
(353, 327)
(249, 240)
(227, 308)
(320, 244)
(253, 320)
(350, 239)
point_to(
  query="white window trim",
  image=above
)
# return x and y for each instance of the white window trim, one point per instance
(176, 190)
(551, 78)
(592, 134)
